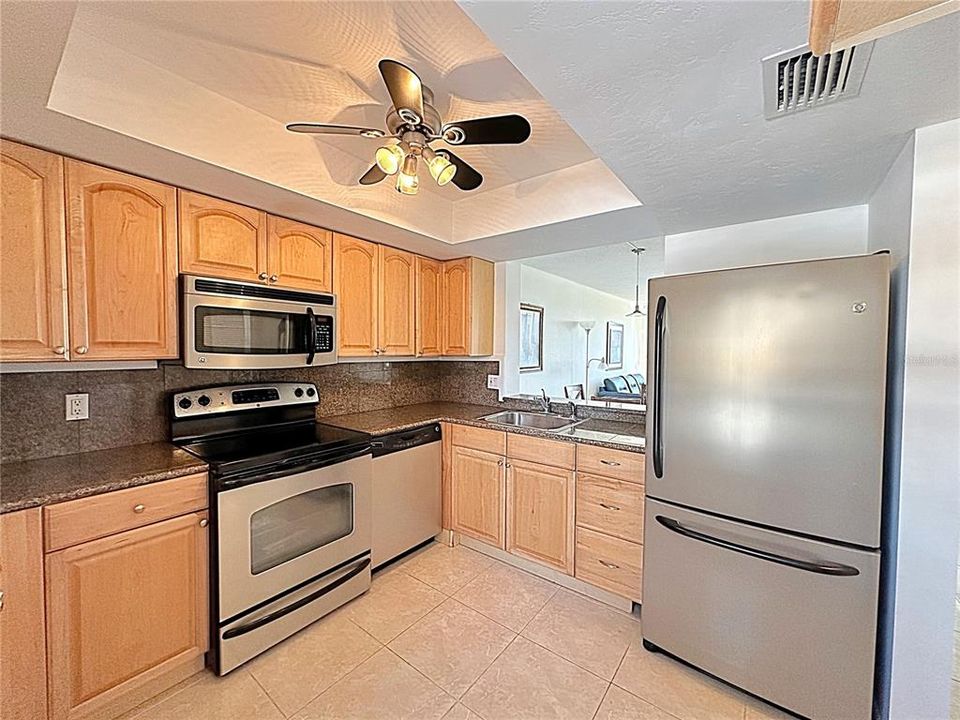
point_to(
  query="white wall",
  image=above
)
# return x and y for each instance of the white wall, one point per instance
(828, 233)
(565, 304)
(925, 467)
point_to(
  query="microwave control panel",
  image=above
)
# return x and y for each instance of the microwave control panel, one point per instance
(323, 339)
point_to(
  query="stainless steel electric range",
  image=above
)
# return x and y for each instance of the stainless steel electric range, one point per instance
(290, 505)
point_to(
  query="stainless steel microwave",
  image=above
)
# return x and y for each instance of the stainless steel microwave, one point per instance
(229, 324)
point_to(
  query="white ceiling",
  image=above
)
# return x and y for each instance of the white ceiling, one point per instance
(666, 95)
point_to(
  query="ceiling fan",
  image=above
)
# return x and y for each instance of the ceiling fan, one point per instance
(415, 123)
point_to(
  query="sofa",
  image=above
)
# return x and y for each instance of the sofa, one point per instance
(629, 387)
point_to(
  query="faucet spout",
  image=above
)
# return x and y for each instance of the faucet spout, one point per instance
(544, 400)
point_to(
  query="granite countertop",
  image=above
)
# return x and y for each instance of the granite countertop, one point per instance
(31, 483)
(605, 433)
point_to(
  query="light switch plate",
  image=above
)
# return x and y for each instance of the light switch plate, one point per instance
(78, 406)
(493, 382)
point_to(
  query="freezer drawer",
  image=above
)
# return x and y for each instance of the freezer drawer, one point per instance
(802, 635)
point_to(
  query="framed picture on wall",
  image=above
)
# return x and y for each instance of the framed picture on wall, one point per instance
(614, 345)
(531, 338)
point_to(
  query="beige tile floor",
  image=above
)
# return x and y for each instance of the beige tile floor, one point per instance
(451, 634)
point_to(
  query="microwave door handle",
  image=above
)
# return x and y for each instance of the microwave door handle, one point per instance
(311, 335)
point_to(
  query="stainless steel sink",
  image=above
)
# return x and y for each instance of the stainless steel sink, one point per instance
(538, 421)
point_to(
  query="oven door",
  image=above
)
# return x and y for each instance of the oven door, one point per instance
(227, 332)
(278, 534)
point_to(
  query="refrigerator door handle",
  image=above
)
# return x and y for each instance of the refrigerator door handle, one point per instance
(822, 568)
(659, 332)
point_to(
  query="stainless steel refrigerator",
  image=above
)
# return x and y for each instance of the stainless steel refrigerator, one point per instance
(764, 477)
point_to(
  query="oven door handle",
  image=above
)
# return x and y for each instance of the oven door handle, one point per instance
(288, 467)
(293, 607)
(312, 335)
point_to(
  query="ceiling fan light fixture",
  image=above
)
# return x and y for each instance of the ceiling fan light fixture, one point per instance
(407, 181)
(440, 166)
(390, 158)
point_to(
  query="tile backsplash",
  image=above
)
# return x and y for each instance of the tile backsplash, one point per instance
(128, 407)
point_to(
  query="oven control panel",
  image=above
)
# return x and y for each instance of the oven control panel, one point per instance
(234, 398)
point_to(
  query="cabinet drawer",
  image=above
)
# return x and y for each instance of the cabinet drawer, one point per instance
(610, 563)
(618, 464)
(494, 441)
(610, 506)
(538, 450)
(77, 521)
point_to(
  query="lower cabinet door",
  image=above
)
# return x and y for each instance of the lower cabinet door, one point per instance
(127, 617)
(540, 523)
(23, 659)
(478, 481)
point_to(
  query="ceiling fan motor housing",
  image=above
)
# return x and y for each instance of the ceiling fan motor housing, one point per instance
(429, 125)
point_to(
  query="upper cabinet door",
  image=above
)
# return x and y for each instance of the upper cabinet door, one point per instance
(222, 239)
(355, 281)
(456, 306)
(122, 245)
(32, 288)
(397, 303)
(429, 306)
(298, 255)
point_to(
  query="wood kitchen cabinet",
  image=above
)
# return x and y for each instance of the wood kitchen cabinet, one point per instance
(23, 656)
(127, 616)
(477, 485)
(32, 255)
(540, 522)
(396, 302)
(222, 239)
(298, 255)
(356, 282)
(122, 269)
(467, 307)
(429, 306)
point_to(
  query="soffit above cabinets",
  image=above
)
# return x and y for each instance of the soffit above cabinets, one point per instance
(218, 81)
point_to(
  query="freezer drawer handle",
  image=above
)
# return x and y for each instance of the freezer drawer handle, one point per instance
(658, 339)
(284, 611)
(822, 568)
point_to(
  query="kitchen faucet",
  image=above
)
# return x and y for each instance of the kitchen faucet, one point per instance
(544, 400)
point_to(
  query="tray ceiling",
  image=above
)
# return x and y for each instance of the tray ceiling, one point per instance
(218, 81)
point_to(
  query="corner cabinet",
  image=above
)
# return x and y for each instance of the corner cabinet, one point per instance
(32, 255)
(122, 268)
(468, 307)
(478, 493)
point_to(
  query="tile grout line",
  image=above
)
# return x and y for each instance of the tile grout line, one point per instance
(269, 696)
(480, 676)
(443, 690)
(600, 705)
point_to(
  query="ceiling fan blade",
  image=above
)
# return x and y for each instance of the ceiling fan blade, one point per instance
(321, 129)
(405, 88)
(499, 130)
(372, 176)
(466, 177)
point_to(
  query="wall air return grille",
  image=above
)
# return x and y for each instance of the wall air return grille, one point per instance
(799, 80)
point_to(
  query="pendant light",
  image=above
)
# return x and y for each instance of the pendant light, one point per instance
(636, 306)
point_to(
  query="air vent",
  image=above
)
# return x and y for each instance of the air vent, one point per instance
(799, 80)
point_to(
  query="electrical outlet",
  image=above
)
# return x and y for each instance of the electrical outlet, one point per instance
(78, 407)
(493, 382)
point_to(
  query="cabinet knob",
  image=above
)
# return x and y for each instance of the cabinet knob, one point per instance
(1, 599)
(138, 508)
(274, 278)
(500, 463)
(204, 522)
(60, 350)
(263, 276)
(81, 350)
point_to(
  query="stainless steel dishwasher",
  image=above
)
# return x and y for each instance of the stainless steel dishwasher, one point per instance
(406, 491)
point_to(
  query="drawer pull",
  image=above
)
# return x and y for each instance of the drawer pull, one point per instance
(139, 508)
(609, 507)
(612, 566)
(611, 463)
